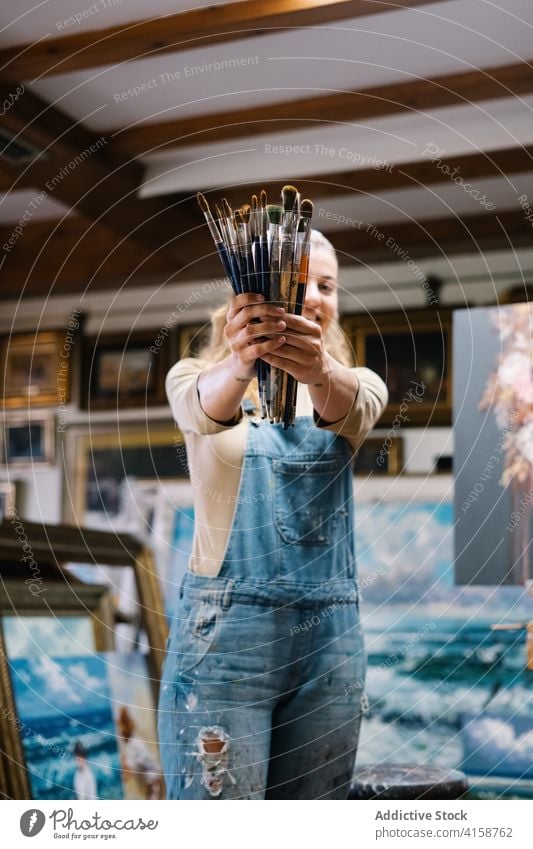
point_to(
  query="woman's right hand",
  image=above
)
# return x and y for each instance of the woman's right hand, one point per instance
(249, 319)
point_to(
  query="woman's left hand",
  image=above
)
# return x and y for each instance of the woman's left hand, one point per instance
(303, 355)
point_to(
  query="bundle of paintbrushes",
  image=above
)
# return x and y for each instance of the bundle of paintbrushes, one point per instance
(264, 248)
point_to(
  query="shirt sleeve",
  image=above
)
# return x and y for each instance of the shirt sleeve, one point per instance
(181, 386)
(368, 405)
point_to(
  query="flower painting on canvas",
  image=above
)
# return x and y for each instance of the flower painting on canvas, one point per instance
(493, 430)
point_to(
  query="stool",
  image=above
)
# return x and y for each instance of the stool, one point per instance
(407, 781)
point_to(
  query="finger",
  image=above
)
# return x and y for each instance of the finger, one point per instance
(306, 343)
(295, 356)
(262, 329)
(283, 364)
(257, 313)
(245, 312)
(302, 325)
(263, 349)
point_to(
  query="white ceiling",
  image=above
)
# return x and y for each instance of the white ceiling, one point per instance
(31, 21)
(424, 42)
(443, 38)
(11, 204)
(396, 139)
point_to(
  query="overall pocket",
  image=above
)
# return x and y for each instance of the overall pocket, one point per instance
(306, 500)
(197, 633)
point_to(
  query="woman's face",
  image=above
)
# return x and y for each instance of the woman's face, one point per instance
(321, 298)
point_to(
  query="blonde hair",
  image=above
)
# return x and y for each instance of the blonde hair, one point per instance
(217, 348)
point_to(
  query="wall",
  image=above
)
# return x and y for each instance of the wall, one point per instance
(474, 280)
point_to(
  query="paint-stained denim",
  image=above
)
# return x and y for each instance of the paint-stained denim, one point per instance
(262, 683)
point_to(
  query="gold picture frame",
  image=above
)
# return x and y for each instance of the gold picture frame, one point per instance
(28, 440)
(191, 338)
(35, 369)
(8, 498)
(376, 456)
(147, 450)
(54, 546)
(123, 370)
(412, 352)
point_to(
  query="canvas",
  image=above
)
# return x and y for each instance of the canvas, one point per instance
(493, 400)
(64, 706)
(432, 655)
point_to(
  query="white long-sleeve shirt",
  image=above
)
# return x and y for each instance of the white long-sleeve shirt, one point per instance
(215, 451)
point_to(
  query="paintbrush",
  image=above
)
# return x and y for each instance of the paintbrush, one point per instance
(304, 249)
(289, 224)
(254, 264)
(232, 243)
(263, 238)
(218, 240)
(274, 215)
(242, 249)
(306, 212)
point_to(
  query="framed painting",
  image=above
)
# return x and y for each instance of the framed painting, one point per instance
(68, 737)
(135, 717)
(433, 654)
(101, 460)
(8, 492)
(493, 445)
(75, 614)
(412, 353)
(88, 726)
(61, 727)
(36, 369)
(191, 338)
(123, 371)
(376, 456)
(28, 440)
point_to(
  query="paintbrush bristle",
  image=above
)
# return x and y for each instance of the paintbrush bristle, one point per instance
(202, 202)
(306, 208)
(254, 202)
(274, 213)
(245, 212)
(227, 208)
(263, 199)
(289, 196)
(238, 217)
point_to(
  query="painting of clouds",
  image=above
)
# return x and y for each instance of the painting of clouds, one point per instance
(498, 745)
(25, 636)
(432, 655)
(63, 703)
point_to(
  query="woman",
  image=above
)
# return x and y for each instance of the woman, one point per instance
(262, 685)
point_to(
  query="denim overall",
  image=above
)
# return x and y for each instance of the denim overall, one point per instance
(264, 673)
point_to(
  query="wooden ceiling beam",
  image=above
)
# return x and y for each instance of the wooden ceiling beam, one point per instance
(432, 238)
(183, 31)
(51, 257)
(75, 255)
(76, 168)
(405, 175)
(349, 107)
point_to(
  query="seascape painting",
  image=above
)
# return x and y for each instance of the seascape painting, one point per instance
(498, 745)
(88, 726)
(432, 656)
(67, 727)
